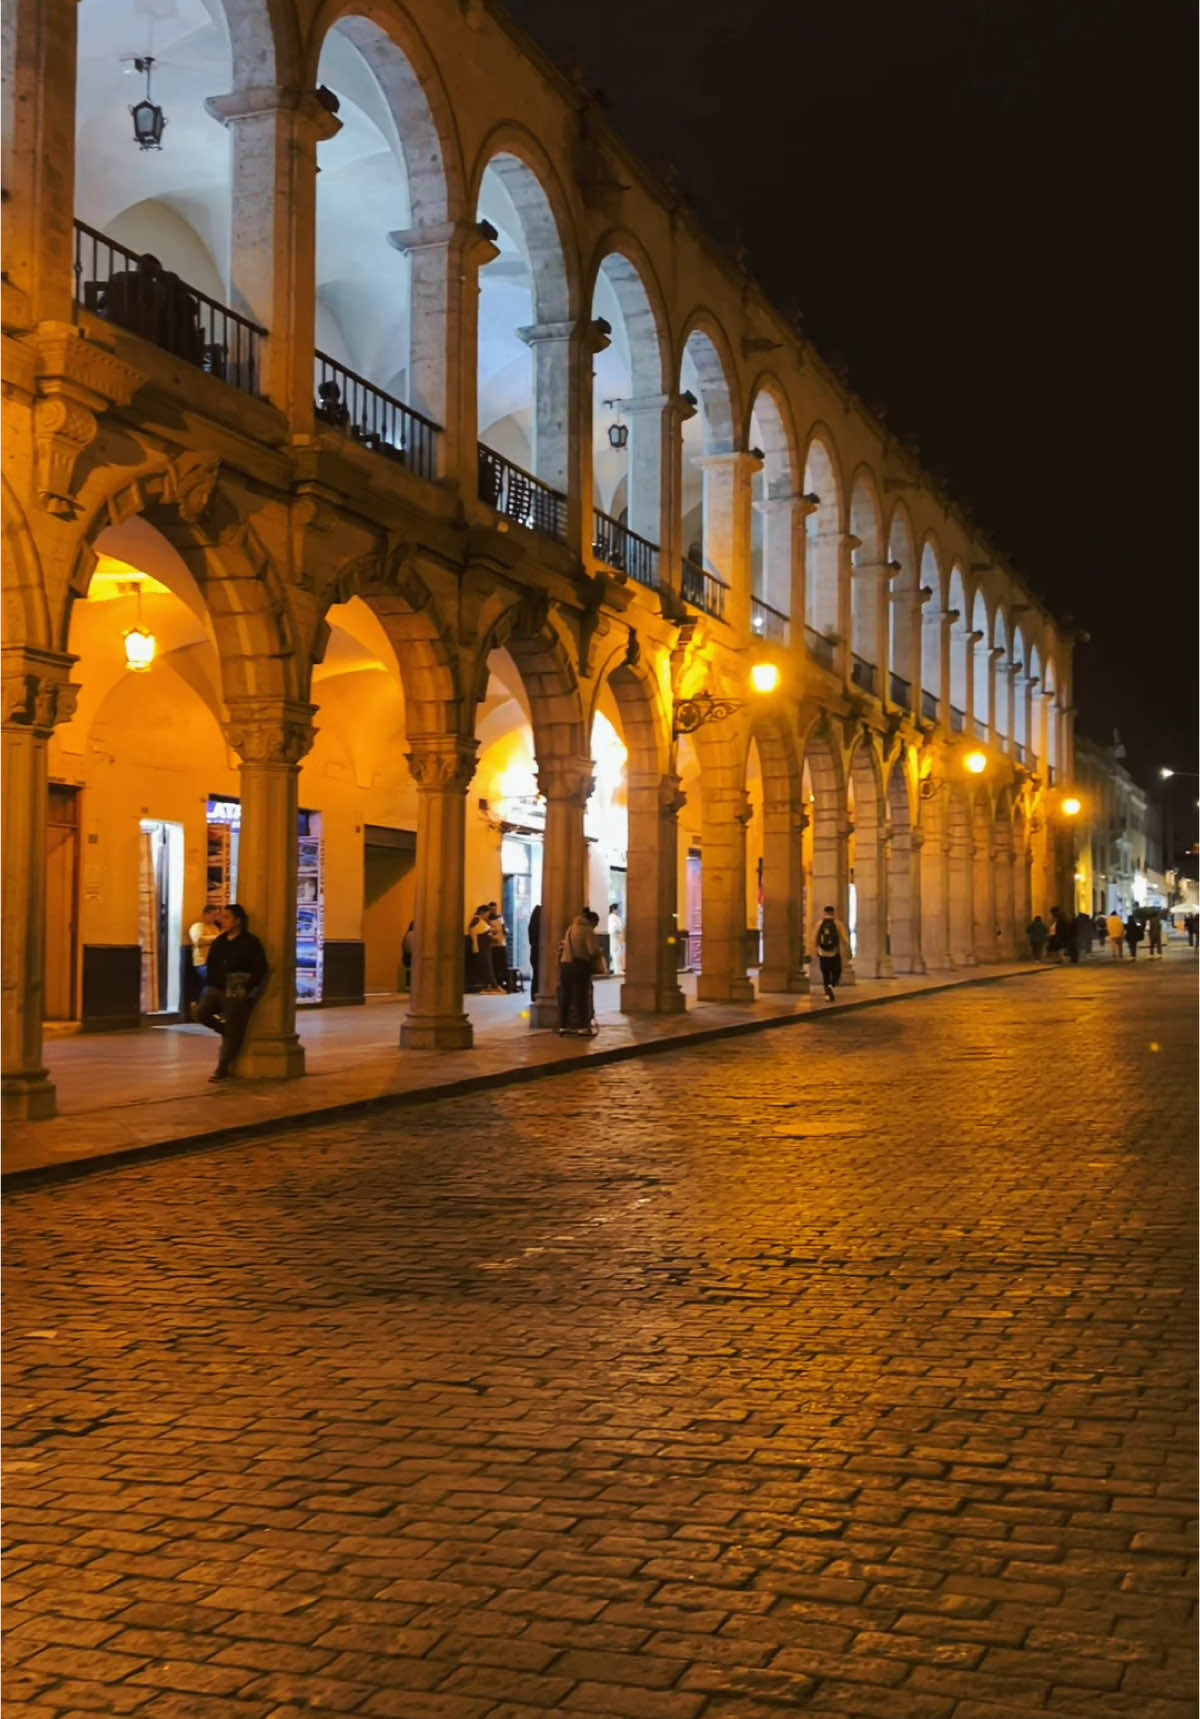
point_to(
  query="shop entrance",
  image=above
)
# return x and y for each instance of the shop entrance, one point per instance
(521, 877)
(389, 895)
(160, 916)
(62, 902)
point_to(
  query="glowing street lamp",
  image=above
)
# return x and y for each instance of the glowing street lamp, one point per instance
(141, 646)
(692, 713)
(975, 763)
(1072, 806)
(764, 678)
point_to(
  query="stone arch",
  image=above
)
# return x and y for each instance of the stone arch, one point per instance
(980, 642)
(706, 371)
(645, 722)
(956, 606)
(771, 430)
(528, 633)
(1020, 694)
(983, 894)
(868, 582)
(258, 640)
(824, 776)
(1001, 655)
(902, 855)
(26, 610)
(904, 611)
(1008, 931)
(527, 307)
(867, 816)
(425, 658)
(822, 541)
(634, 371)
(784, 909)
(1050, 717)
(1037, 754)
(266, 49)
(931, 597)
(960, 876)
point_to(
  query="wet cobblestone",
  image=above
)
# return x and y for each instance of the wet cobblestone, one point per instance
(848, 1372)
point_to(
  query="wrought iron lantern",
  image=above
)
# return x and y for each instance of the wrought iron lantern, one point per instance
(618, 435)
(148, 117)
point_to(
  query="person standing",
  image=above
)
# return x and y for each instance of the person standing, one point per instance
(1036, 933)
(616, 939)
(479, 951)
(576, 963)
(1189, 925)
(535, 934)
(498, 933)
(236, 973)
(407, 946)
(1154, 936)
(1133, 935)
(1116, 935)
(832, 943)
(202, 934)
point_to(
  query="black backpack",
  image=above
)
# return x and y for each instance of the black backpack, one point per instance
(827, 937)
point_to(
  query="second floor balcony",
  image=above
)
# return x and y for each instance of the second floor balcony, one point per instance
(624, 551)
(521, 497)
(863, 674)
(703, 590)
(376, 420)
(769, 623)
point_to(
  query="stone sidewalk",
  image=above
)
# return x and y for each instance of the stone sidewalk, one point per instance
(124, 1094)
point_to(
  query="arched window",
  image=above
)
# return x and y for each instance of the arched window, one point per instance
(707, 513)
(904, 610)
(774, 500)
(627, 406)
(822, 545)
(868, 587)
(981, 647)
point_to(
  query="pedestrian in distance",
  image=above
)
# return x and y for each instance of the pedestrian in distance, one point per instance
(1055, 947)
(202, 934)
(535, 939)
(579, 956)
(1154, 936)
(616, 939)
(236, 972)
(479, 951)
(1116, 935)
(1037, 934)
(498, 935)
(1070, 935)
(1100, 929)
(1189, 925)
(1133, 935)
(407, 946)
(832, 943)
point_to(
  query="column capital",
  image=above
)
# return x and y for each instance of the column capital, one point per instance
(728, 805)
(264, 100)
(569, 781)
(434, 235)
(37, 692)
(737, 461)
(270, 731)
(535, 333)
(442, 763)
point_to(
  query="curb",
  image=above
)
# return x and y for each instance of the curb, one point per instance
(73, 1169)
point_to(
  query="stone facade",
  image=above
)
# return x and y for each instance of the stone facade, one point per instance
(753, 509)
(1113, 858)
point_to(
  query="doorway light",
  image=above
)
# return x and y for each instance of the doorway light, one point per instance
(141, 646)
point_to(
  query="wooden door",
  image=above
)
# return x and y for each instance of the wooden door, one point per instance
(62, 902)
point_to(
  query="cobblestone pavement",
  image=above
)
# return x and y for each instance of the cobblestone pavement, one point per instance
(844, 1373)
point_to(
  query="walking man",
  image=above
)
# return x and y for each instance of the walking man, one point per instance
(832, 942)
(1116, 935)
(236, 973)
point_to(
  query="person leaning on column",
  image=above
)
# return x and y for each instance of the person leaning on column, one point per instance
(236, 973)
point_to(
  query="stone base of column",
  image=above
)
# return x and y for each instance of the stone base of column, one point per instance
(543, 1012)
(780, 979)
(711, 989)
(271, 1059)
(436, 1032)
(28, 1097)
(639, 999)
(887, 967)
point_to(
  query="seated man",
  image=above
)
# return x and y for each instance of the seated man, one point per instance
(236, 974)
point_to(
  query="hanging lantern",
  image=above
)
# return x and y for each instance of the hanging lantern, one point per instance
(140, 643)
(148, 117)
(618, 435)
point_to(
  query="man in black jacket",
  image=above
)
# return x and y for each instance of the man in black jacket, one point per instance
(236, 974)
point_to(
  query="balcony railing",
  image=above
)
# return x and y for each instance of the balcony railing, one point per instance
(929, 705)
(622, 549)
(703, 590)
(769, 623)
(1019, 751)
(519, 496)
(138, 294)
(958, 720)
(820, 648)
(1049, 775)
(901, 693)
(385, 425)
(863, 673)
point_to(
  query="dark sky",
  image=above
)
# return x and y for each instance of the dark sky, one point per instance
(987, 207)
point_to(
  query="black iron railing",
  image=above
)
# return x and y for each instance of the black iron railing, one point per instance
(929, 705)
(901, 691)
(138, 294)
(622, 549)
(958, 720)
(703, 590)
(1019, 751)
(820, 648)
(1050, 775)
(385, 425)
(769, 623)
(521, 497)
(863, 673)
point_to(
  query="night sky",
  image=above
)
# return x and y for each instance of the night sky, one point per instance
(987, 209)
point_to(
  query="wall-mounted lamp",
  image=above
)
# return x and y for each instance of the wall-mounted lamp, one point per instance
(141, 646)
(975, 763)
(1072, 806)
(692, 713)
(148, 117)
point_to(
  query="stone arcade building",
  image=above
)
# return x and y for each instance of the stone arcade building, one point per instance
(441, 478)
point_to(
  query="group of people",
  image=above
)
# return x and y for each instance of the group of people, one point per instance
(1068, 936)
(487, 950)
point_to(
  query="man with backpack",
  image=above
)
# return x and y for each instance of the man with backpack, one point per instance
(832, 942)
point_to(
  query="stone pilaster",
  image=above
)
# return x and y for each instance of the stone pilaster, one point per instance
(36, 696)
(651, 952)
(39, 185)
(983, 899)
(273, 250)
(442, 766)
(444, 260)
(647, 418)
(784, 907)
(567, 785)
(271, 736)
(676, 413)
(727, 496)
(935, 896)
(914, 843)
(723, 977)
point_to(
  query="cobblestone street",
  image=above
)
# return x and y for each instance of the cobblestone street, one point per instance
(846, 1371)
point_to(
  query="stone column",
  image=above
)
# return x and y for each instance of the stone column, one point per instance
(567, 785)
(1006, 919)
(784, 907)
(912, 958)
(273, 248)
(39, 150)
(847, 543)
(872, 578)
(37, 696)
(651, 951)
(271, 736)
(933, 850)
(782, 518)
(960, 862)
(983, 897)
(723, 977)
(442, 766)
(727, 497)
(949, 617)
(647, 418)
(870, 881)
(679, 409)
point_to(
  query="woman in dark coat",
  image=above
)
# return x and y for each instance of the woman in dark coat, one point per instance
(1133, 934)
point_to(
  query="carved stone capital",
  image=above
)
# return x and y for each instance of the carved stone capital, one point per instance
(311, 119)
(37, 695)
(916, 837)
(567, 781)
(728, 806)
(671, 797)
(62, 428)
(269, 731)
(442, 763)
(76, 381)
